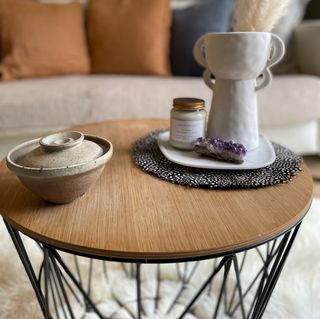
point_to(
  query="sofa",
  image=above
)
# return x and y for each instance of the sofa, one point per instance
(289, 109)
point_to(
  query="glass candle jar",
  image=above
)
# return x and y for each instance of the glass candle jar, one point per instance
(187, 122)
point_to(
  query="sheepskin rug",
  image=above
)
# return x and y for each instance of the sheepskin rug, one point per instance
(296, 295)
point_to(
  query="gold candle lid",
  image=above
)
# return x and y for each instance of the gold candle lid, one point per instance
(188, 103)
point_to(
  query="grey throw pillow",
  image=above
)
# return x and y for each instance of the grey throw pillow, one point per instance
(189, 24)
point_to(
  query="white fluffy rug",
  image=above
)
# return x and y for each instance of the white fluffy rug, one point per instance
(296, 295)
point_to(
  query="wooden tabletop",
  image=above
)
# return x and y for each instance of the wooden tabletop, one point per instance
(131, 214)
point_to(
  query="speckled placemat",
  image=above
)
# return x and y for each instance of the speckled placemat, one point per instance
(147, 155)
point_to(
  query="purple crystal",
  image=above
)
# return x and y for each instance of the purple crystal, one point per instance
(220, 149)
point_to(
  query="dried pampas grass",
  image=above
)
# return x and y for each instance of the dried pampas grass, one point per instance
(258, 15)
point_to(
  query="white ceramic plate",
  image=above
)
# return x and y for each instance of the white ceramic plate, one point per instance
(263, 156)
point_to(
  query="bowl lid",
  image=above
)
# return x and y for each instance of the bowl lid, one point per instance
(62, 150)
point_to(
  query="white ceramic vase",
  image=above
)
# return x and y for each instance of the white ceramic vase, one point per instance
(240, 63)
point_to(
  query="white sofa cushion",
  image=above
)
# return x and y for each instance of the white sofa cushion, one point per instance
(289, 100)
(47, 104)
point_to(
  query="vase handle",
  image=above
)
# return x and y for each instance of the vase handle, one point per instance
(277, 50)
(206, 75)
(276, 54)
(198, 51)
(266, 79)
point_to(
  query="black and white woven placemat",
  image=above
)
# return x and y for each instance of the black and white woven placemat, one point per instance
(148, 156)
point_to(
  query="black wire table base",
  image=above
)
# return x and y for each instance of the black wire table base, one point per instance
(59, 285)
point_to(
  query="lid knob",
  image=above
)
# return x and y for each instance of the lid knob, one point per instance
(61, 141)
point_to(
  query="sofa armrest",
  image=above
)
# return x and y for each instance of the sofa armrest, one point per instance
(307, 47)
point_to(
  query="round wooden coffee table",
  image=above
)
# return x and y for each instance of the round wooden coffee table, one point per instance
(132, 216)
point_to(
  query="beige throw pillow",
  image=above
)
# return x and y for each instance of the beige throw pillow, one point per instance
(284, 29)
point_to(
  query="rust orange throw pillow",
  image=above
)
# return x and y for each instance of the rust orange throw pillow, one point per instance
(129, 36)
(42, 39)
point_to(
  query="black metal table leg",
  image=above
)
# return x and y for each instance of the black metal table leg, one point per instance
(277, 267)
(56, 284)
(16, 239)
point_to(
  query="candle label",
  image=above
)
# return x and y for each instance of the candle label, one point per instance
(186, 131)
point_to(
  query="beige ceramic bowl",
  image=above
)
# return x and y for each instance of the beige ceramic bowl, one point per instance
(60, 167)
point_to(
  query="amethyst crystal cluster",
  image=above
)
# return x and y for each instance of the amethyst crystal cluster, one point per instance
(220, 149)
